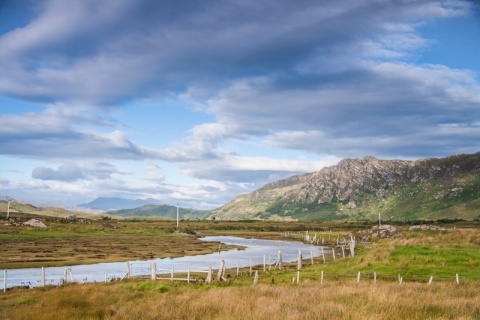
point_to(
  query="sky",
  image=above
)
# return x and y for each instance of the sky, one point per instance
(198, 101)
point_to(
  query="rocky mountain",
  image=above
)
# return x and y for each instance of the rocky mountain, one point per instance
(362, 188)
(161, 211)
(116, 203)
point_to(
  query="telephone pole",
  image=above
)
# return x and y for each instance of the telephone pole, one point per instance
(177, 216)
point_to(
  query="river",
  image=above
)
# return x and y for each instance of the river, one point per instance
(255, 249)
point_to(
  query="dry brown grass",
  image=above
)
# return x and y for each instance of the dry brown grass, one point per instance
(333, 300)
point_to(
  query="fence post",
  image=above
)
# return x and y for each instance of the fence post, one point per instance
(299, 266)
(153, 273)
(374, 277)
(220, 271)
(128, 270)
(343, 252)
(238, 267)
(5, 281)
(209, 276)
(105, 277)
(65, 276)
(456, 276)
(311, 256)
(279, 260)
(358, 277)
(264, 263)
(43, 277)
(250, 267)
(321, 277)
(173, 271)
(333, 253)
(430, 281)
(71, 275)
(255, 280)
(188, 276)
(323, 255)
(298, 277)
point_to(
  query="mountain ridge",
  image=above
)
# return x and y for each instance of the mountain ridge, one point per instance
(360, 188)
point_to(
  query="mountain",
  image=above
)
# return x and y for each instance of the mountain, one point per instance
(362, 188)
(116, 203)
(49, 205)
(161, 211)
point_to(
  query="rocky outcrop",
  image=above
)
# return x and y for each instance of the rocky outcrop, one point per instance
(363, 187)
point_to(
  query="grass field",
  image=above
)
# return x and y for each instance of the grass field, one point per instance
(416, 256)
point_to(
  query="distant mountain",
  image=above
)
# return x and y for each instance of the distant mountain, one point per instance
(47, 205)
(161, 211)
(116, 203)
(363, 188)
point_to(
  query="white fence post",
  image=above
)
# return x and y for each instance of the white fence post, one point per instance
(5, 281)
(128, 270)
(153, 271)
(171, 276)
(456, 276)
(264, 263)
(321, 277)
(43, 277)
(255, 280)
(358, 277)
(298, 277)
(279, 260)
(430, 281)
(299, 266)
(374, 277)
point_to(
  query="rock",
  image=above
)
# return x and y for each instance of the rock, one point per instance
(35, 223)
(383, 231)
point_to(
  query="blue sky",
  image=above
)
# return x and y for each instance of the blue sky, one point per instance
(196, 102)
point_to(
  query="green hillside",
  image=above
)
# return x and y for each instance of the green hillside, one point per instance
(160, 211)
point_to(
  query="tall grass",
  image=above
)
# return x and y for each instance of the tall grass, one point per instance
(332, 300)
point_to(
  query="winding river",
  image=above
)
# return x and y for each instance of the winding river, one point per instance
(255, 250)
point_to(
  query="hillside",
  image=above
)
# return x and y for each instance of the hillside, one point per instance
(160, 211)
(116, 203)
(362, 188)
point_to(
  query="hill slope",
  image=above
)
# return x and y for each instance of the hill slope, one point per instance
(160, 211)
(361, 188)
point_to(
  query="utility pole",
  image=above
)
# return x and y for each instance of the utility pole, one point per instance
(8, 210)
(379, 219)
(177, 216)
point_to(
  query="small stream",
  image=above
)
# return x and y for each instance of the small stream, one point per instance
(255, 249)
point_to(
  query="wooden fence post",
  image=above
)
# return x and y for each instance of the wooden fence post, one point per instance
(457, 278)
(358, 277)
(220, 271)
(172, 272)
(238, 267)
(105, 277)
(128, 270)
(321, 277)
(264, 263)
(43, 277)
(323, 255)
(311, 256)
(153, 271)
(299, 265)
(209, 275)
(65, 276)
(71, 275)
(5, 281)
(430, 281)
(188, 276)
(333, 254)
(343, 252)
(374, 277)
(255, 280)
(250, 267)
(298, 277)
(279, 260)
